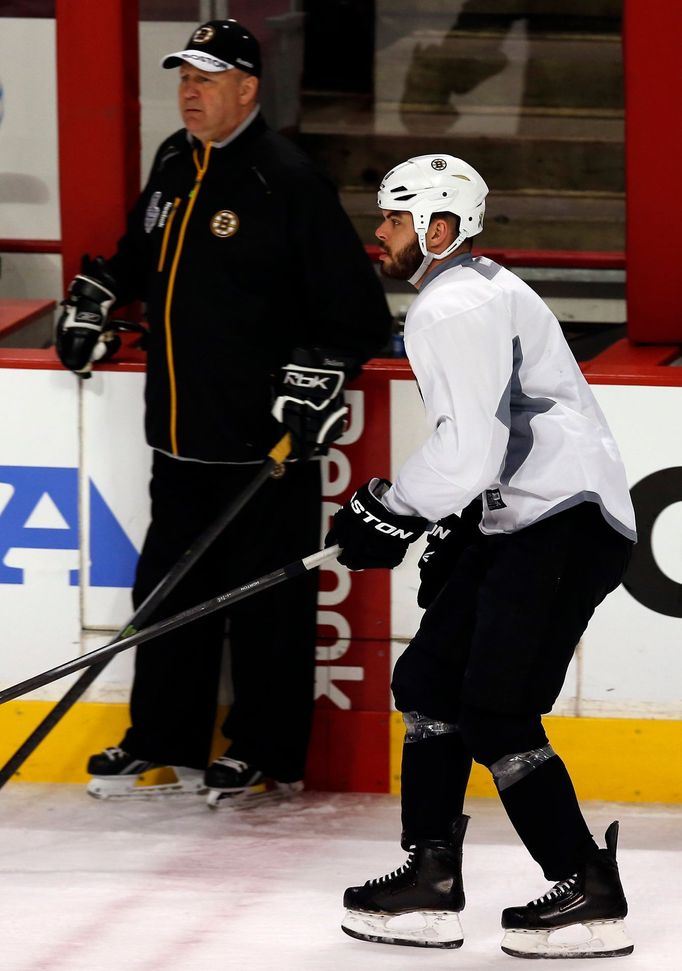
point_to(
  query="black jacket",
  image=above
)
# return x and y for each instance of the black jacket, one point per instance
(241, 253)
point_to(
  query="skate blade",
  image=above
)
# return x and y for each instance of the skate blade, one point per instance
(608, 939)
(253, 796)
(432, 928)
(188, 782)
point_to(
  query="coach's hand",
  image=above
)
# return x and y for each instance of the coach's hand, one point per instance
(81, 332)
(369, 535)
(310, 401)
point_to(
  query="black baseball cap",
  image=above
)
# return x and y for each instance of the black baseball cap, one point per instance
(219, 45)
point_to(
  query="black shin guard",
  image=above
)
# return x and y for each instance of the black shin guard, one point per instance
(543, 809)
(434, 776)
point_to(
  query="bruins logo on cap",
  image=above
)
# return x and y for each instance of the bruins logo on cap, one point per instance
(225, 223)
(202, 35)
(439, 164)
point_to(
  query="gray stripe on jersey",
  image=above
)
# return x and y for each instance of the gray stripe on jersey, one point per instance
(516, 410)
(485, 269)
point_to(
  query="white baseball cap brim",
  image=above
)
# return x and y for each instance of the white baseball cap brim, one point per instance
(198, 59)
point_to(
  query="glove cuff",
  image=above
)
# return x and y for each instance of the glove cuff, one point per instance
(86, 286)
(367, 505)
(327, 357)
(324, 383)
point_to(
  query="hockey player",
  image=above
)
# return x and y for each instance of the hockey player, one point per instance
(261, 302)
(508, 589)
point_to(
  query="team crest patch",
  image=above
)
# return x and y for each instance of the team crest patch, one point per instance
(225, 223)
(203, 35)
(152, 214)
(439, 164)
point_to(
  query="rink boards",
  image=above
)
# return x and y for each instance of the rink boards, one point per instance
(73, 512)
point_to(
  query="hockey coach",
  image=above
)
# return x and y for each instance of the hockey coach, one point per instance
(259, 296)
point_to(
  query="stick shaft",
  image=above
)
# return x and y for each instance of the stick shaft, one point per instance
(103, 654)
(165, 586)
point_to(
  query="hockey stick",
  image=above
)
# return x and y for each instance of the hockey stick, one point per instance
(276, 456)
(103, 654)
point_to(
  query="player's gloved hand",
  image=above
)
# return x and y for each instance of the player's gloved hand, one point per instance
(310, 401)
(81, 334)
(369, 535)
(444, 544)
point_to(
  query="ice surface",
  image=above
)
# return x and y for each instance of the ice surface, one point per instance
(169, 885)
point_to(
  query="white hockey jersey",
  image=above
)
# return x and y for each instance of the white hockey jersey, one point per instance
(513, 418)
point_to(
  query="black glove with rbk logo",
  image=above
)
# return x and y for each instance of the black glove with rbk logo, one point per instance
(81, 332)
(369, 535)
(444, 545)
(310, 400)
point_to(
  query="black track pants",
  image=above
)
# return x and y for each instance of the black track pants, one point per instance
(272, 634)
(490, 657)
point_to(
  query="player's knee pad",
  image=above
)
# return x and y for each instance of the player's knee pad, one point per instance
(420, 728)
(406, 683)
(490, 736)
(510, 769)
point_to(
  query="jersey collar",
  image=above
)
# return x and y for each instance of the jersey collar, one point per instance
(458, 261)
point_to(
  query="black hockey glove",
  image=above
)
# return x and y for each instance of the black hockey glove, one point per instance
(310, 400)
(81, 332)
(369, 535)
(444, 545)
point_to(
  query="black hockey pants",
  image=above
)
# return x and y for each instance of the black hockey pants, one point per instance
(272, 634)
(491, 656)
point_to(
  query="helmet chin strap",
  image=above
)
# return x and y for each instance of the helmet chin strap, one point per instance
(429, 257)
(421, 269)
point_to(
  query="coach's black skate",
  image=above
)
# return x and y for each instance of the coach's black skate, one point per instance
(418, 904)
(233, 783)
(115, 775)
(592, 898)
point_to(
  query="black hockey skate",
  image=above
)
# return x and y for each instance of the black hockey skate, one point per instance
(116, 774)
(419, 903)
(236, 784)
(592, 898)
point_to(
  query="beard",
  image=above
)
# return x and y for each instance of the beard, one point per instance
(402, 265)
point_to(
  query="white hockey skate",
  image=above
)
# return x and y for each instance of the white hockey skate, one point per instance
(581, 917)
(591, 939)
(233, 784)
(419, 903)
(118, 775)
(188, 782)
(420, 928)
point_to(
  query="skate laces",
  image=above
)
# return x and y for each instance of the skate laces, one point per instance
(113, 752)
(558, 891)
(232, 763)
(405, 868)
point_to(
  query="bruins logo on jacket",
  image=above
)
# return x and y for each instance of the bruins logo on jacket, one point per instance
(225, 223)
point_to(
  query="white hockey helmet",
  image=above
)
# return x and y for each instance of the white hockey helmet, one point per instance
(435, 183)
